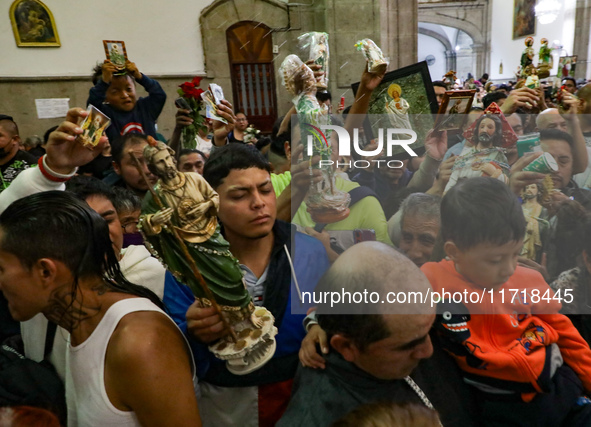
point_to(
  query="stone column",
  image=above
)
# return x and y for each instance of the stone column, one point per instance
(478, 55)
(399, 31)
(582, 34)
(450, 60)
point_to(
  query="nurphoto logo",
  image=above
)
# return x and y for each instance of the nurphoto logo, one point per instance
(317, 136)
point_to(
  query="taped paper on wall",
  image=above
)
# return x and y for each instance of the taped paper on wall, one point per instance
(51, 108)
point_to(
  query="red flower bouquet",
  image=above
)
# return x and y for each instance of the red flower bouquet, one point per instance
(191, 92)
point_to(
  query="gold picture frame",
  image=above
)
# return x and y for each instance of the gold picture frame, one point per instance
(33, 24)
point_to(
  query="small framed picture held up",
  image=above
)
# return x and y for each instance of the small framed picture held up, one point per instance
(116, 52)
(454, 108)
(33, 24)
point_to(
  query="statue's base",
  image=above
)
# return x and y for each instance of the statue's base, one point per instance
(253, 360)
(255, 345)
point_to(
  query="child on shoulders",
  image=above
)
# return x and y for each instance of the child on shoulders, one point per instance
(114, 94)
(500, 321)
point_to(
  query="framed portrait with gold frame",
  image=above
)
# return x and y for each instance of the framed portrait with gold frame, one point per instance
(33, 24)
(454, 109)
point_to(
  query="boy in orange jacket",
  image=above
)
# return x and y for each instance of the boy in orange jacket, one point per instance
(500, 321)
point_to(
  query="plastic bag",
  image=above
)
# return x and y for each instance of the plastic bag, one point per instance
(376, 62)
(315, 45)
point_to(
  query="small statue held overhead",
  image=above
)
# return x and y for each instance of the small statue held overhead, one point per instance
(536, 233)
(179, 220)
(546, 61)
(527, 57)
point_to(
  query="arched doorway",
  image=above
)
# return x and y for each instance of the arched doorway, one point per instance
(250, 51)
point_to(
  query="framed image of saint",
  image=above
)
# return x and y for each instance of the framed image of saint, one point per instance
(116, 52)
(524, 18)
(33, 24)
(405, 99)
(454, 109)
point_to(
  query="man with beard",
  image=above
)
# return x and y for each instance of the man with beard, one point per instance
(12, 160)
(190, 205)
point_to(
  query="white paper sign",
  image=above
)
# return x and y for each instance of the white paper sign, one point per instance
(51, 108)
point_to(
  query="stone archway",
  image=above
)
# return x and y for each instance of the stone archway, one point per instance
(473, 17)
(450, 54)
(221, 15)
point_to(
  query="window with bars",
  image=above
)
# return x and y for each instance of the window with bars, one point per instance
(253, 75)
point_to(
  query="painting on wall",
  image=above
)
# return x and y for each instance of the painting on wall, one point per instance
(33, 24)
(524, 18)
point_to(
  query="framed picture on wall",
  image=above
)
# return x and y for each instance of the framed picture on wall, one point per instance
(33, 24)
(524, 18)
(567, 66)
(405, 99)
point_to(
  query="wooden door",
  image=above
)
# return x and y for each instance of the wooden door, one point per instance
(250, 47)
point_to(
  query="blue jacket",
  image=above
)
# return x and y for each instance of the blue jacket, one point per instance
(142, 119)
(281, 298)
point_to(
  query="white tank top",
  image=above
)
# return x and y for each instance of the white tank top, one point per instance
(86, 395)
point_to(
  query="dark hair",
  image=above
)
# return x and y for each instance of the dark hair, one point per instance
(118, 146)
(187, 151)
(229, 157)
(46, 134)
(278, 144)
(557, 134)
(262, 142)
(439, 83)
(484, 76)
(84, 187)
(569, 78)
(97, 73)
(125, 200)
(58, 225)
(504, 87)
(481, 210)
(12, 126)
(323, 96)
(489, 98)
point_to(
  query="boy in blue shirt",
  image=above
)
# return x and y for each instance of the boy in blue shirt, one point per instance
(114, 94)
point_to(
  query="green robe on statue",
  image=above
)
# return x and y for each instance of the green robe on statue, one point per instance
(201, 234)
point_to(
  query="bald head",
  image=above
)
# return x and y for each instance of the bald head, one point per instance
(550, 118)
(584, 94)
(374, 269)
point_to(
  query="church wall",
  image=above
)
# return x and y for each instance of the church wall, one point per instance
(504, 48)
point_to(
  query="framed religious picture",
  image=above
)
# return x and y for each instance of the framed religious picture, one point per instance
(454, 109)
(116, 52)
(405, 99)
(567, 66)
(524, 18)
(33, 24)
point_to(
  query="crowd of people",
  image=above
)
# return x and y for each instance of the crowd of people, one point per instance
(88, 290)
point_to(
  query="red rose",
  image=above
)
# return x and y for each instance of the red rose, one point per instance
(198, 93)
(196, 80)
(187, 87)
